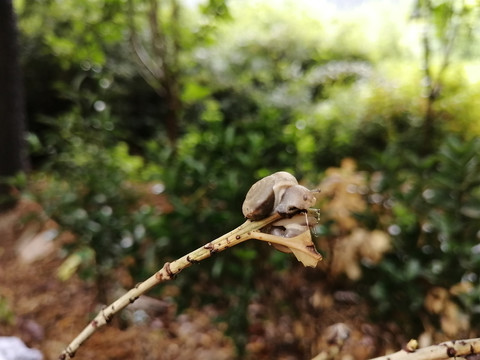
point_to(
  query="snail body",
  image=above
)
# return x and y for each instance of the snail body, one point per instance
(276, 193)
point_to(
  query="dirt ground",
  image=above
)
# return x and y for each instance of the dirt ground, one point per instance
(47, 313)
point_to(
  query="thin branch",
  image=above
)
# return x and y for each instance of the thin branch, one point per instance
(163, 54)
(246, 231)
(451, 37)
(301, 246)
(150, 72)
(175, 33)
(469, 348)
(157, 39)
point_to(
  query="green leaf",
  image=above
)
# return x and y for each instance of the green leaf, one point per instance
(194, 92)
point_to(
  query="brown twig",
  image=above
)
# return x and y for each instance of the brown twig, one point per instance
(468, 348)
(246, 231)
(148, 68)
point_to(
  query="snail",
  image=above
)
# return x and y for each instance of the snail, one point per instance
(279, 192)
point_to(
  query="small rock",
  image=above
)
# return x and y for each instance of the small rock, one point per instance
(12, 348)
(31, 330)
(34, 246)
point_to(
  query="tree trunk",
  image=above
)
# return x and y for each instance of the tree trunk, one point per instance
(12, 113)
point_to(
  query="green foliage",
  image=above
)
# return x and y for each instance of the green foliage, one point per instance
(254, 106)
(74, 32)
(251, 105)
(7, 316)
(89, 191)
(206, 180)
(92, 200)
(10, 187)
(434, 224)
(450, 21)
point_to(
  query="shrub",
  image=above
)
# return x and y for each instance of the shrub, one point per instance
(433, 221)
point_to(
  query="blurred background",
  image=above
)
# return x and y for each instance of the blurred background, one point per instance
(146, 122)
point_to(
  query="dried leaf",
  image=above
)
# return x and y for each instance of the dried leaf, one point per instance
(307, 254)
(301, 246)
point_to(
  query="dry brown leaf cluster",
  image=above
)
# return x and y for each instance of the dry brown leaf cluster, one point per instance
(345, 192)
(359, 245)
(440, 304)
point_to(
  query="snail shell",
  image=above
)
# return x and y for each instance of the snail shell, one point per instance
(278, 192)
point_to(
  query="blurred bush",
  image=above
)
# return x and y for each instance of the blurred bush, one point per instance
(404, 235)
(429, 206)
(85, 190)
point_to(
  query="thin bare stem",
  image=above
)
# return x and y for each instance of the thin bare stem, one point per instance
(469, 348)
(246, 231)
(148, 68)
(157, 39)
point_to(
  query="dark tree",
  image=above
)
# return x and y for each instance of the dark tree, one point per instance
(12, 147)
